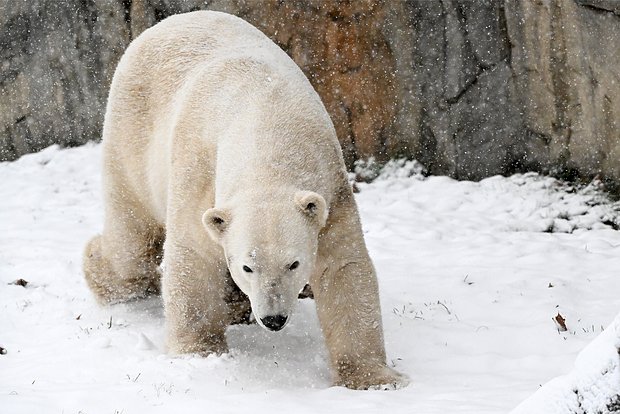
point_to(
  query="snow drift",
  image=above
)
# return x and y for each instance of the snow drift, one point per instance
(471, 275)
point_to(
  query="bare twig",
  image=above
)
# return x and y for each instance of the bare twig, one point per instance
(445, 307)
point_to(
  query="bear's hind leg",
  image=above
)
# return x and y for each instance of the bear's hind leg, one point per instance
(123, 263)
(239, 308)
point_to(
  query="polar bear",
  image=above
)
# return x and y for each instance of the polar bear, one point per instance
(220, 158)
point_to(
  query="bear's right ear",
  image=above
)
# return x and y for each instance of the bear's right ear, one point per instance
(216, 222)
(313, 206)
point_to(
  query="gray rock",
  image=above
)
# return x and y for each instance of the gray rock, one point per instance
(471, 89)
(56, 62)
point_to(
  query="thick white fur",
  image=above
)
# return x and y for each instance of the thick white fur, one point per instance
(216, 141)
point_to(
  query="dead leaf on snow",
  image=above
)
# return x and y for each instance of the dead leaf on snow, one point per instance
(560, 322)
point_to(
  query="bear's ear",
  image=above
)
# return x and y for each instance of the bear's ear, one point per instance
(216, 222)
(312, 205)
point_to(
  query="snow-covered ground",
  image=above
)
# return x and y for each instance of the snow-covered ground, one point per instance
(471, 275)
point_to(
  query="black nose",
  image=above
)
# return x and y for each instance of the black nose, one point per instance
(275, 322)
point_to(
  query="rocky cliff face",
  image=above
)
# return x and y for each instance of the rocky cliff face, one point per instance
(56, 62)
(471, 89)
(563, 59)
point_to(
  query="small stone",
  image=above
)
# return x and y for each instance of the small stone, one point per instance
(19, 282)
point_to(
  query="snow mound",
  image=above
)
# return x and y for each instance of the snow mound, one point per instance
(593, 387)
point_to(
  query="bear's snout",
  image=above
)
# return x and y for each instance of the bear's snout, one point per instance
(275, 322)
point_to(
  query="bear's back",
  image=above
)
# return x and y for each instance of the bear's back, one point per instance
(211, 51)
(165, 55)
(214, 79)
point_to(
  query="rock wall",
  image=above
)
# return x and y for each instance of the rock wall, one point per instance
(470, 89)
(56, 63)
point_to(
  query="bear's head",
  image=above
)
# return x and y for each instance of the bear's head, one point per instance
(270, 247)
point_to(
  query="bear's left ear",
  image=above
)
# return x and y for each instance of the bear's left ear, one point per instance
(216, 222)
(313, 206)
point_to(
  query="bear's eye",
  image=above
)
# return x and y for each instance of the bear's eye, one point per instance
(247, 269)
(294, 265)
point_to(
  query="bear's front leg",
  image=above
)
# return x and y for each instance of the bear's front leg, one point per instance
(347, 303)
(347, 299)
(195, 310)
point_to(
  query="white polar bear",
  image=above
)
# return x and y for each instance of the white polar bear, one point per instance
(217, 148)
